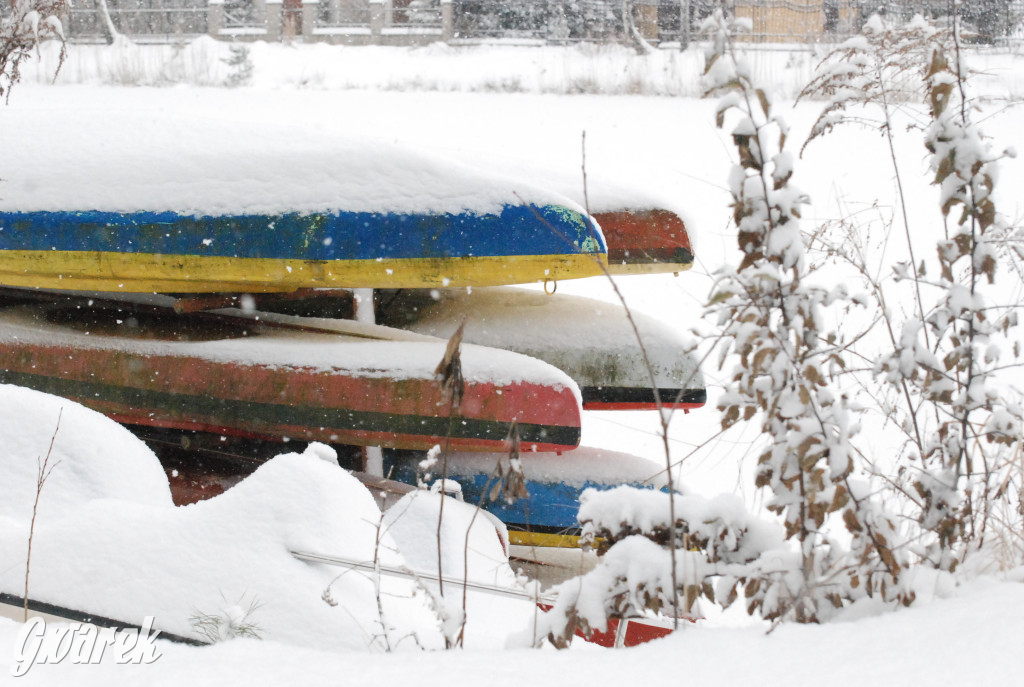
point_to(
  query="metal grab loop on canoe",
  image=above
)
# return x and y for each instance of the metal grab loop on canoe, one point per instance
(554, 286)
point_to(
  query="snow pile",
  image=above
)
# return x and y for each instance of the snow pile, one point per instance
(473, 545)
(895, 649)
(477, 548)
(81, 467)
(108, 540)
(91, 459)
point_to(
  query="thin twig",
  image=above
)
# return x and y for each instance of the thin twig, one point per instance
(43, 473)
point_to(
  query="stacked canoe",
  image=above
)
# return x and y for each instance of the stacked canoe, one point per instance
(95, 301)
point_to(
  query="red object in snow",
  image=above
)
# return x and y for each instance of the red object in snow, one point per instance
(637, 631)
(624, 633)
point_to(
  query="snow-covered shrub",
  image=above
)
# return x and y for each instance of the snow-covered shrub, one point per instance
(716, 542)
(775, 311)
(722, 527)
(772, 317)
(240, 66)
(635, 575)
(789, 369)
(21, 30)
(959, 472)
(228, 623)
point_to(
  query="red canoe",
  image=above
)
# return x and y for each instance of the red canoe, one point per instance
(277, 377)
(648, 241)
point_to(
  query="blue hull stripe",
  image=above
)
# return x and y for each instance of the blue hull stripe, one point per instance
(517, 230)
(550, 505)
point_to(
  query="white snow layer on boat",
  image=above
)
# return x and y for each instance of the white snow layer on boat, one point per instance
(108, 541)
(602, 189)
(219, 168)
(582, 465)
(312, 350)
(592, 339)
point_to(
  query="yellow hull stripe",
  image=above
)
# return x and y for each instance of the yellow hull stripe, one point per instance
(564, 541)
(146, 272)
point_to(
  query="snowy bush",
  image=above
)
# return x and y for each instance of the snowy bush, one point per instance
(793, 370)
(771, 311)
(722, 528)
(21, 30)
(642, 569)
(240, 66)
(939, 382)
(228, 623)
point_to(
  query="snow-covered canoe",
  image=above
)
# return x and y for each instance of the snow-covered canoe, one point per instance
(590, 340)
(645, 241)
(254, 210)
(277, 376)
(547, 516)
(172, 252)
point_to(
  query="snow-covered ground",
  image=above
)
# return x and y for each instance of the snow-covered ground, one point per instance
(436, 101)
(972, 639)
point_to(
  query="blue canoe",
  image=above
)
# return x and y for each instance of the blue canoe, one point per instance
(547, 516)
(170, 252)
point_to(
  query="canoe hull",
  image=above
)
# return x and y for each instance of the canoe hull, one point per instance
(547, 516)
(592, 341)
(648, 241)
(267, 388)
(167, 252)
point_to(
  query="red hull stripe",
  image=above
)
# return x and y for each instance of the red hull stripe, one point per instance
(335, 425)
(645, 237)
(191, 393)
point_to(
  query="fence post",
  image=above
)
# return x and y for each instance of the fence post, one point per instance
(684, 24)
(645, 18)
(65, 21)
(376, 21)
(309, 15)
(273, 9)
(447, 21)
(214, 17)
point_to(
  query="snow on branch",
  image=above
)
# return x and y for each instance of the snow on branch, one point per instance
(945, 370)
(720, 527)
(788, 363)
(22, 30)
